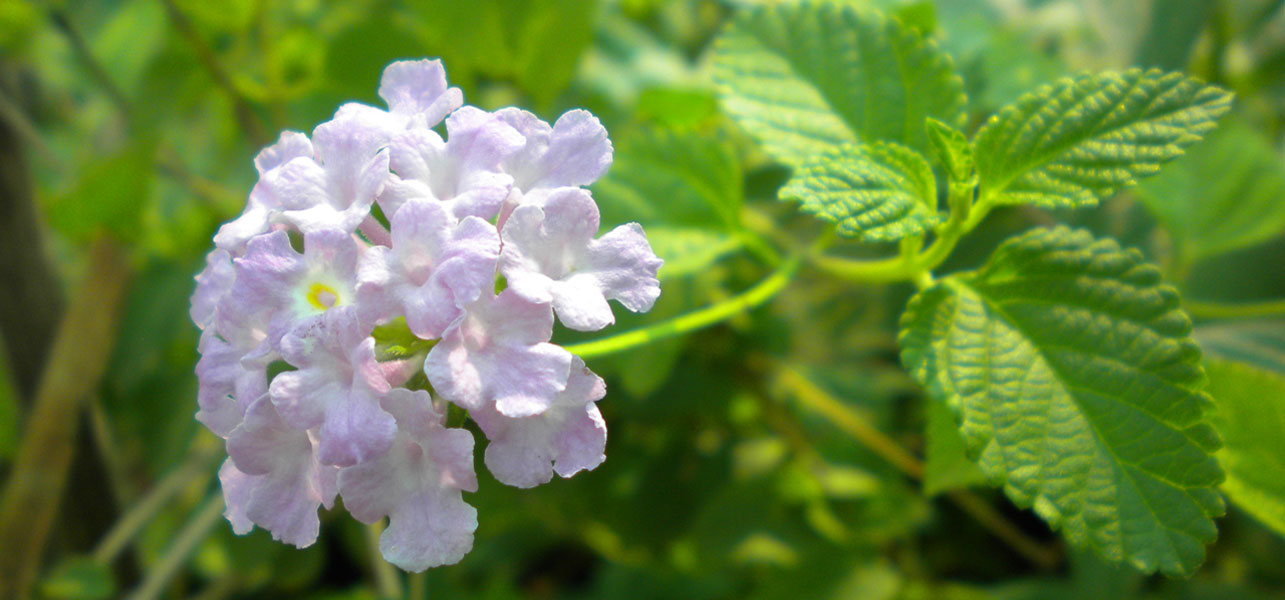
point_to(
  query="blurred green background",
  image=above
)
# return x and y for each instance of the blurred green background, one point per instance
(775, 456)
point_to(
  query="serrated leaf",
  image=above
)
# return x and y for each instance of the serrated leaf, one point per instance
(952, 150)
(1225, 194)
(675, 176)
(1082, 139)
(878, 192)
(1250, 419)
(1076, 382)
(802, 77)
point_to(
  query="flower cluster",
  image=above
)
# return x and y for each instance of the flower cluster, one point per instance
(378, 224)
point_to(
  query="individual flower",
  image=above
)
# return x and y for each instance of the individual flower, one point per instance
(570, 436)
(499, 353)
(417, 96)
(417, 485)
(230, 377)
(550, 256)
(575, 151)
(336, 387)
(462, 171)
(254, 220)
(212, 284)
(435, 267)
(272, 478)
(280, 289)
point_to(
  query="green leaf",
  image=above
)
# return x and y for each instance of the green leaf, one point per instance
(875, 193)
(675, 176)
(79, 578)
(111, 194)
(1082, 139)
(1259, 342)
(1224, 195)
(803, 77)
(952, 150)
(1251, 418)
(689, 250)
(1076, 383)
(946, 464)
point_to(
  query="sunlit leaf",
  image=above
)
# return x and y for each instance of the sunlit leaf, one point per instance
(878, 192)
(1076, 383)
(1082, 139)
(946, 463)
(803, 77)
(1250, 419)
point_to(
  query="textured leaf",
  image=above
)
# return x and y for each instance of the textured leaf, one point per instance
(1076, 383)
(1250, 419)
(1082, 139)
(675, 176)
(946, 464)
(1225, 194)
(952, 150)
(802, 77)
(875, 193)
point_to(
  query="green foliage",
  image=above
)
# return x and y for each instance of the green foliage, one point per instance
(689, 250)
(675, 176)
(946, 462)
(1082, 139)
(803, 77)
(1224, 195)
(79, 578)
(1250, 419)
(110, 196)
(1073, 375)
(952, 150)
(878, 192)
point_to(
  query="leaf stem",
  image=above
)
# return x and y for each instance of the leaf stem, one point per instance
(760, 293)
(192, 533)
(417, 586)
(1218, 310)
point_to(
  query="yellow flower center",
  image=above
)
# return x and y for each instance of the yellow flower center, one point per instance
(322, 297)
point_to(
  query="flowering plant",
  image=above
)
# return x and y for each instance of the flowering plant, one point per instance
(355, 300)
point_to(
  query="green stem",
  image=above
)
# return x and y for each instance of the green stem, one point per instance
(760, 293)
(386, 580)
(1217, 310)
(192, 533)
(417, 586)
(118, 538)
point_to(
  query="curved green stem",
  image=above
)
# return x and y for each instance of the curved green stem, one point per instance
(386, 579)
(1218, 310)
(760, 293)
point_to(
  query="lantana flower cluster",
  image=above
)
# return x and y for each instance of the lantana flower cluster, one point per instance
(355, 297)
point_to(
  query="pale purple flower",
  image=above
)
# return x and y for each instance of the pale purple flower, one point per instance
(212, 284)
(417, 96)
(574, 152)
(550, 255)
(498, 353)
(281, 289)
(336, 388)
(567, 438)
(435, 267)
(272, 478)
(417, 484)
(233, 235)
(230, 377)
(462, 171)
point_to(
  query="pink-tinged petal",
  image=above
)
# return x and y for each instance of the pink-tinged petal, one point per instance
(233, 235)
(498, 353)
(417, 484)
(625, 267)
(296, 185)
(212, 284)
(417, 89)
(276, 481)
(574, 152)
(568, 437)
(550, 256)
(398, 191)
(217, 373)
(289, 146)
(336, 387)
